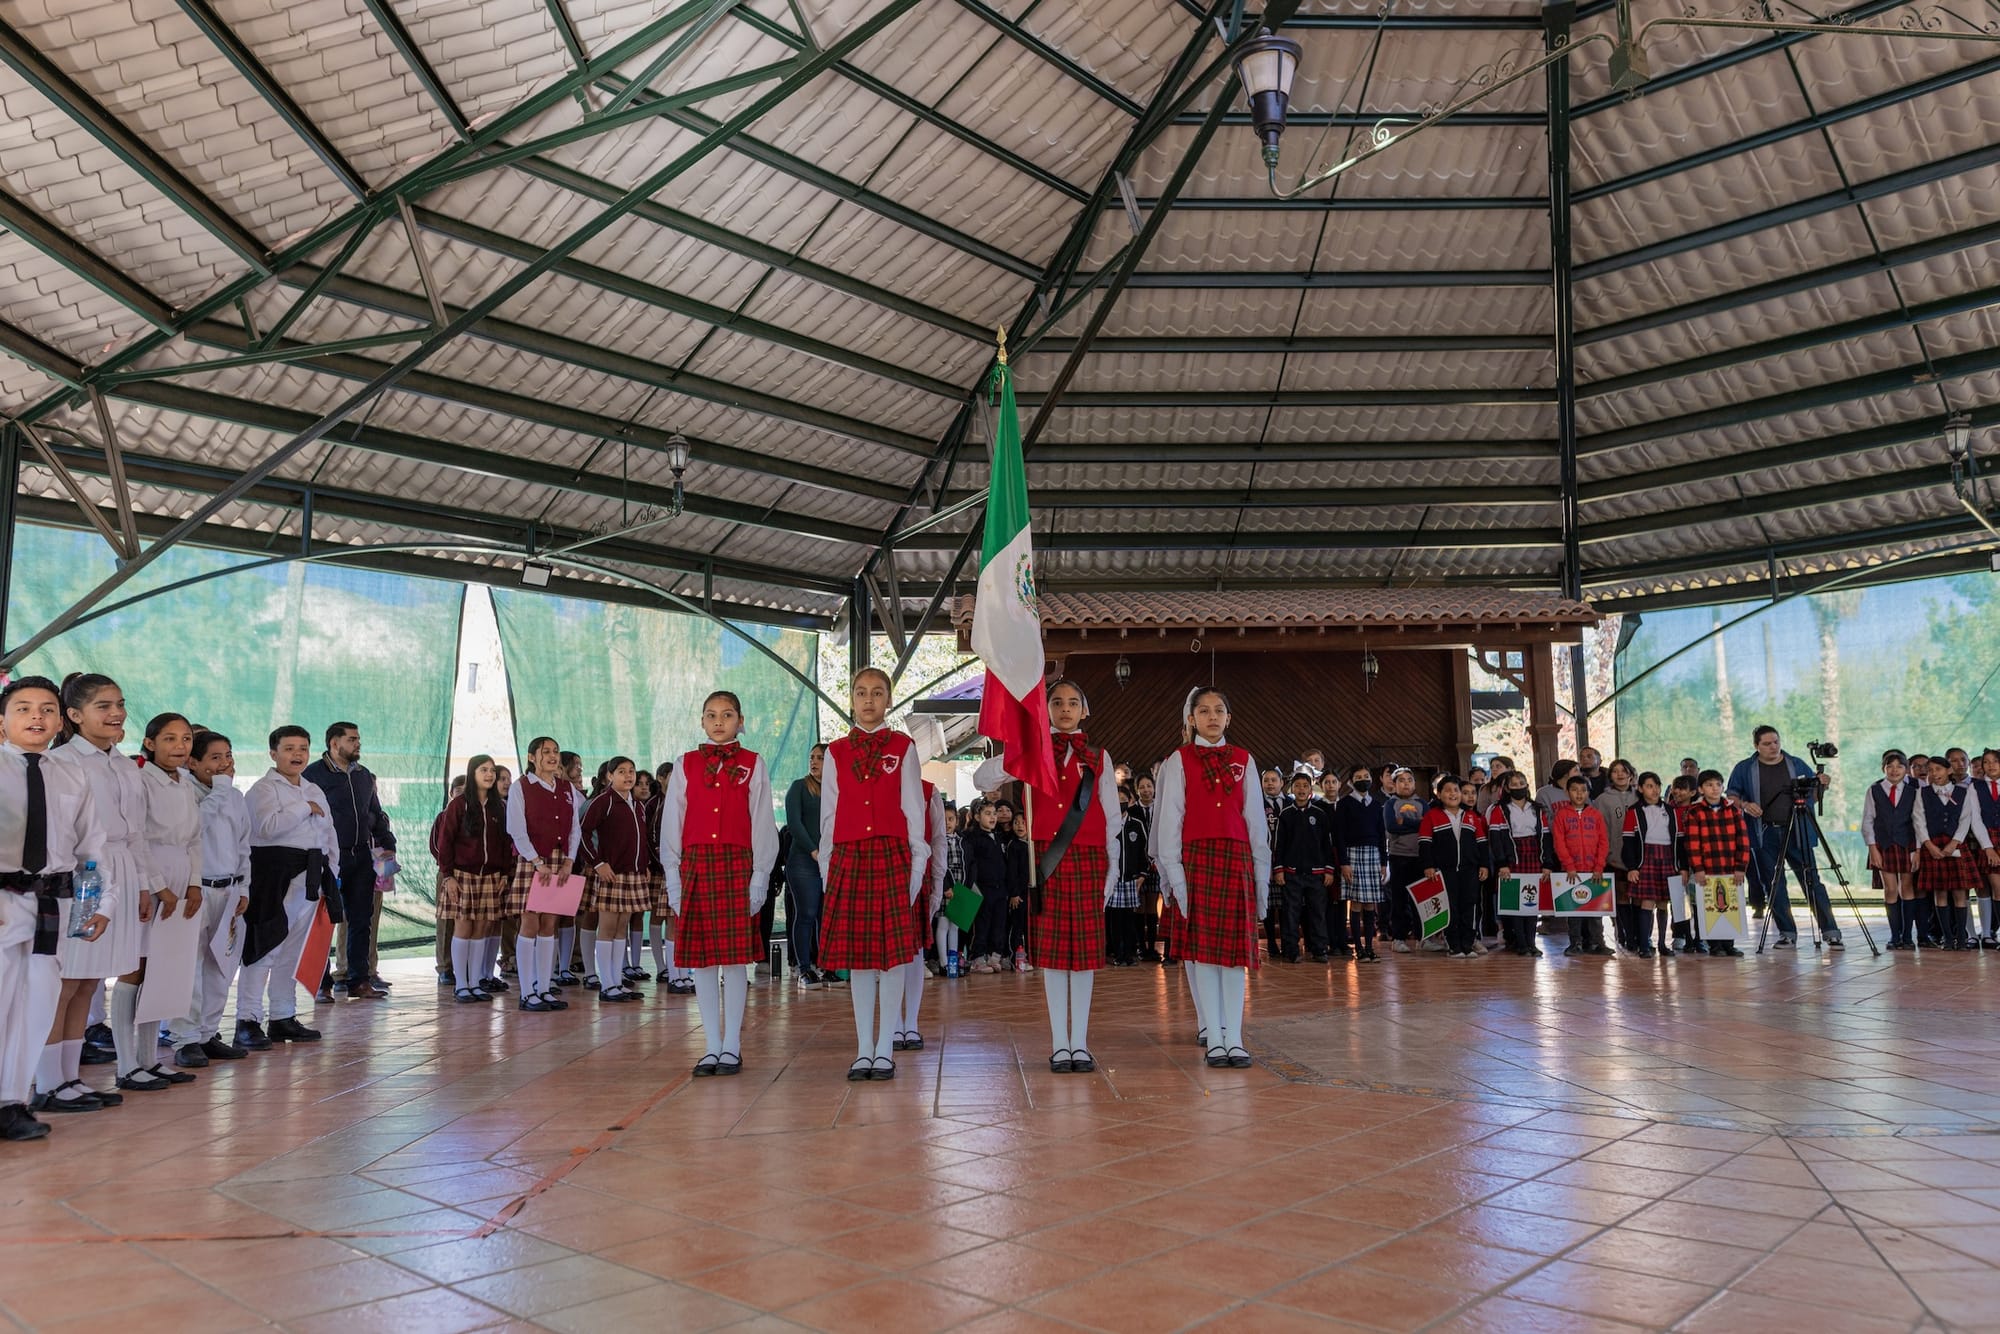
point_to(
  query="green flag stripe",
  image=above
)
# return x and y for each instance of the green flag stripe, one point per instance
(1007, 493)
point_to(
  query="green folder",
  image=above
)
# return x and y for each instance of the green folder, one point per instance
(963, 906)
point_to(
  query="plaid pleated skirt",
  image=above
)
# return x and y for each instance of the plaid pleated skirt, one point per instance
(1366, 884)
(516, 901)
(865, 920)
(625, 891)
(1068, 930)
(1222, 903)
(716, 928)
(1649, 886)
(445, 897)
(479, 898)
(1895, 860)
(1947, 875)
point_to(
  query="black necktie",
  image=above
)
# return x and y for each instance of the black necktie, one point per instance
(35, 837)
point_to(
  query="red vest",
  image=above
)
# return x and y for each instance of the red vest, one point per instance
(548, 815)
(718, 809)
(1048, 815)
(870, 806)
(930, 822)
(1216, 814)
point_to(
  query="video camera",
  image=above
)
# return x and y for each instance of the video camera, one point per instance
(1811, 789)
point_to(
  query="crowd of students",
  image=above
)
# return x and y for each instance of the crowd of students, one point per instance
(1205, 861)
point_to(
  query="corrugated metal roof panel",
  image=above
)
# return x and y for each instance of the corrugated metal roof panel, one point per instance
(1690, 200)
(1194, 372)
(1763, 321)
(805, 307)
(1725, 266)
(1852, 359)
(739, 359)
(1419, 370)
(891, 256)
(1415, 423)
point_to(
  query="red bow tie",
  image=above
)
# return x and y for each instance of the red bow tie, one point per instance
(714, 757)
(1215, 769)
(867, 751)
(1071, 746)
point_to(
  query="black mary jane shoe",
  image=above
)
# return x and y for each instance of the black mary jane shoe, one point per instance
(590, 982)
(861, 1070)
(467, 996)
(493, 986)
(913, 1040)
(900, 1043)
(143, 1081)
(86, 1099)
(1239, 1059)
(1201, 1038)
(171, 1076)
(706, 1066)
(729, 1065)
(1062, 1062)
(882, 1068)
(1081, 1062)
(1218, 1057)
(535, 1005)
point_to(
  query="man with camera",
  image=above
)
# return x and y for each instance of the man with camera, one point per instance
(1769, 786)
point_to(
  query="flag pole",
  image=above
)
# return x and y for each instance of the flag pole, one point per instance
(1027, 788)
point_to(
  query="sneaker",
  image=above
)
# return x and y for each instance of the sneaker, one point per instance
(447, 978)
(1435, 947)
(1833, 941)
(250, 1036)
(1458, 954)
(1572, 951)
(810, 980)
(1400, 946)
(1787, 940)
(1021, 964)
(1479, 948)
(97, 1035)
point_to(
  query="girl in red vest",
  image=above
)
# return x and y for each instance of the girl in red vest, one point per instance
(619, 846)
(718, 838)
(1208, 807)
(871, 830)
(1066, 916)
(542, 819)
(909, 1036)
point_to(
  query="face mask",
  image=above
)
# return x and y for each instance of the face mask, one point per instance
(1363, 784)
(1517, 794)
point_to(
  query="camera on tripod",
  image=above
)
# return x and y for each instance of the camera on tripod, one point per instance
(1812, 789)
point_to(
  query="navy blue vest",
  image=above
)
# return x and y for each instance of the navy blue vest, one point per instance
(1894, 827)
(1989, 809)
(1941, 819)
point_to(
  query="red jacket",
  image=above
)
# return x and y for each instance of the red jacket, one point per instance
(1582, 842)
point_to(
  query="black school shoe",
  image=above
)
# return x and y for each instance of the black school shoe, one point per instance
(191, 1057)
(218, 1050)
(291, 1030)
(250, 1036)
(97, 1056)
(18, 1124)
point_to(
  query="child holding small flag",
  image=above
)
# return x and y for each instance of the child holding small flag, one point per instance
(1216, 865)
(1518, 833)
(1648, 847)
(1582, 845)
(1453, 847)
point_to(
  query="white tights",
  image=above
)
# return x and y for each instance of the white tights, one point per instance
(719, 994)
(1068, 994)
(867, 987)
(1219, 993)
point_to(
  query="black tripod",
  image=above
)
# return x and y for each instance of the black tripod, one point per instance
(1802, 825)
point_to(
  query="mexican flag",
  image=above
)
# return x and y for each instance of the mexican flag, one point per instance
(1525, 895)
(1582, 895)
(1006, 627)
(1433, 904)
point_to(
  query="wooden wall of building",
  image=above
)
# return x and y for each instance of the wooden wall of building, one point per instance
(1282, 703)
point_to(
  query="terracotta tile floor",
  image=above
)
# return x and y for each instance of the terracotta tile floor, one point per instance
(1787, 1143)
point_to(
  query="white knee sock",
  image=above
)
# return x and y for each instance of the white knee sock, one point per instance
(913, 993)
(148, 1043)
(565, 943)
(656, 935)
(947, 941)
(1233, 982)
(892, 1004)
(1080, 986)
(635, 946)
(525, 972)
(1055, 989)
(674, 972)
(861, 986)
(610, 972)
(124, 1027)
(1201, 1018)
(48, 1070)
(592, 962)
(735, 982)
(461, 962)
(708, 1000)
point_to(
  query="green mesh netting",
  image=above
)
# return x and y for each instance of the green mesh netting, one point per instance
(311, 644)
(605, 679)
(1908, 665)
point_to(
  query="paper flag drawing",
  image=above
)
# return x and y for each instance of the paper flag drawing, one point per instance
(1524, 895)
(1433, 905)
(1581, 895)
(1721, 900)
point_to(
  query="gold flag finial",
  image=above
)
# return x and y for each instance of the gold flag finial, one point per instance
(1002, 329)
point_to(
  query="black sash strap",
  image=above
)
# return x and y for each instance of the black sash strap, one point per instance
(1079, 806)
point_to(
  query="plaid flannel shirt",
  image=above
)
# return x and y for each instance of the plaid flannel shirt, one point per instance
(1714, 839)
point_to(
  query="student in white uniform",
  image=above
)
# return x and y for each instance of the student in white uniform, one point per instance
(95, 709)
(288, 816)
(225, 885)
(48, 830)
(173, 847)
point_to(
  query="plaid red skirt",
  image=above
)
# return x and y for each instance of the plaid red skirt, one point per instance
(716, 928)
(1895, 860)
(1068, 931)
(478, 898)
(1222, 903)
(1173, 926)
(1946, 875)
(865, 920)
(625, 891)
(1649, 886)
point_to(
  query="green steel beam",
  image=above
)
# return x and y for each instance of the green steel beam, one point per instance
(559, 416)
(518, 282)
(1974, 159)
(1820, 545)
(1916, 375)
(723, 238)
(281, 354)
(674, 50)
(1825, 276)
(1738, 462)
(1182, 453)
(1352, 279)
(45, 78)
(1368, 120)
(895, 96)
(52, 362)
(1295, 398)
(355, 240)
(811, 173)
(405, 512)
(1051, 56)
(413, 56)
(1271, 497)
(1385, 539)
(1888, 572)
(1345, 204)
(1789, 501)
(1822, 336)
(487, 463)
(1308, 344)
(82, 261)
(410, 185)
(225, 40)
(722, 317)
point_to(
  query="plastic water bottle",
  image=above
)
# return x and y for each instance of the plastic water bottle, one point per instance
(87, 889)
(951, 965)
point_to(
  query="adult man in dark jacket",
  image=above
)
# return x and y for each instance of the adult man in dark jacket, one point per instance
(359, 826)
(1763, 784)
